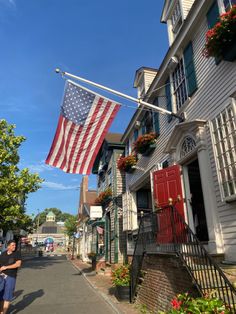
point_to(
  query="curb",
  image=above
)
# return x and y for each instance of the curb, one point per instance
(103, 295)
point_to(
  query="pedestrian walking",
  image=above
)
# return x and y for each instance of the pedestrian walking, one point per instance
(10, 261)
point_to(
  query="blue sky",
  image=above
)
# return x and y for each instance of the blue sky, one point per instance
(103, 41)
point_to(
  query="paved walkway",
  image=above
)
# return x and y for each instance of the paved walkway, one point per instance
(52, 285)
(103, 285)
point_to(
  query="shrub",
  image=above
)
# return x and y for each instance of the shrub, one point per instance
(185, 304)
(92, 255)
(121, 276)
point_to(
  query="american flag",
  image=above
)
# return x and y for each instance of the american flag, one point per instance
(83, 123)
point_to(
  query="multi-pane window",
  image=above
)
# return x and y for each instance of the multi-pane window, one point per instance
(176, 18)
(179, 84)
(228, 4)
(224, 130)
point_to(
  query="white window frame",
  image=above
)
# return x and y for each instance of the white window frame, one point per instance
(230, 5)
(223, 130)
(222, 7)
(179, 85)
(176, 17)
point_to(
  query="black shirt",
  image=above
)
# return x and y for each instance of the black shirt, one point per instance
(6, 260)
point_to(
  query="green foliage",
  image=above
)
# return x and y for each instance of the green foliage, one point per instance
(222, 35)
(71, 225)
(60, 216)
(121, 276)
(185, 304)
(92, 255)
(144, 141)
(15, 185)
(143, 309)
(103, 197)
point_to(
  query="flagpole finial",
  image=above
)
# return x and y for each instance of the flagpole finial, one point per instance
(57, 70)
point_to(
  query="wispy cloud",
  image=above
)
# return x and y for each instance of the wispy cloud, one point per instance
(39, 168)
(58, 186)
(74, 180)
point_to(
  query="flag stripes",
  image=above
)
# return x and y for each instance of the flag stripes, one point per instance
(84, 121)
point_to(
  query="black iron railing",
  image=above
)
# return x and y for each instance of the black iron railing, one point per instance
(207, 275)
(145, 238)
(166, 231)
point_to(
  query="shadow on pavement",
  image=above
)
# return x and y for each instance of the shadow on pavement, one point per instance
(41, 262)
(26, 301)
(17, 293)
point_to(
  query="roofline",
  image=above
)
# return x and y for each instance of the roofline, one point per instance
(198, 4)
(195, 11)
(140, 70)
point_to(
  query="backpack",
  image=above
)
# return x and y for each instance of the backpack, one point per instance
(2, 282)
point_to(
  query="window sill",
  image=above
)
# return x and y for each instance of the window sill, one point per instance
(230, 199)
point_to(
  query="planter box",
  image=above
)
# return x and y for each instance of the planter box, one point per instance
(149, 150)
(229, 54)
(130, 169)
(123, 293)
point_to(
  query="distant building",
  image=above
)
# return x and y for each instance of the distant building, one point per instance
(50, 229)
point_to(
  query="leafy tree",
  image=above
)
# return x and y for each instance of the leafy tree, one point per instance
(71, 225)
(60, 216)
(15, 185)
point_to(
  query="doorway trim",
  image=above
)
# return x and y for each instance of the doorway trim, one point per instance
(196, 130)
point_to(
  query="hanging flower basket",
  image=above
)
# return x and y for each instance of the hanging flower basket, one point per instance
(127, 163)
(220, 40)
(145, 144)
(104, 197)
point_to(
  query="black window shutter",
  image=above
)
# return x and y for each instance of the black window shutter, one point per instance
(212, 18)
(213, 15)
(190, 69)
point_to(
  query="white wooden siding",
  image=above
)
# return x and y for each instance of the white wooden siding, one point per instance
(186, 6)
(216, 83)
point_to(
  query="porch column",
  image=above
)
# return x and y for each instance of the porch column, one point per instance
(215, 244)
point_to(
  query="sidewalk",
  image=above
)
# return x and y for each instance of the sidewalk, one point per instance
(102, 283)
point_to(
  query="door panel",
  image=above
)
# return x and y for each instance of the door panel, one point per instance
(167, 184)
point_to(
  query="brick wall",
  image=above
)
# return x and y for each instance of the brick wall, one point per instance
(164, 278)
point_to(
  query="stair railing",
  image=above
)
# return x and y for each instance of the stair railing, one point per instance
(146, 235)
(174, 235)
(205, 272)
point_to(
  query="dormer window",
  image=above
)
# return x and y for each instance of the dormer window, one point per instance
(228, 4)
(176, 18)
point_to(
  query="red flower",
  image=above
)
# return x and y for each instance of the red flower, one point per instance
(221, 35)
(126, 163)
(176, 304)
(144, 141)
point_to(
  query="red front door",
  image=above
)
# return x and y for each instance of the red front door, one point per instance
(166, 185)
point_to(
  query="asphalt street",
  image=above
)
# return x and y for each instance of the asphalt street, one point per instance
(52, 285)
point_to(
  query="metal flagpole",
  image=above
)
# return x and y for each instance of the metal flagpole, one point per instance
(138, 101)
